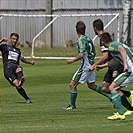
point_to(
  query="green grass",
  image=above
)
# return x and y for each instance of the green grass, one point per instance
(54, 52)
(47, 83)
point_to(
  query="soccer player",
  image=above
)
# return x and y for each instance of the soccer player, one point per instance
(112, 72)
(13, 72)
(121, 55)
(86, 54)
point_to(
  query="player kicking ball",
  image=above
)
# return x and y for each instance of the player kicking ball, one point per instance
(13, 72)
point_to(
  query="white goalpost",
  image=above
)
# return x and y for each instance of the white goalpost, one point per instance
(55, 18)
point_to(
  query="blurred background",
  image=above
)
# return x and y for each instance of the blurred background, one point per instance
(61, 33)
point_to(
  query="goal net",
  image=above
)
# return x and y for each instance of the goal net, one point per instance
(33, 30)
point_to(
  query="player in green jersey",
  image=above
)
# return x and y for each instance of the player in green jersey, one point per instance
(86, 54)
(112, 71)
(121, 55)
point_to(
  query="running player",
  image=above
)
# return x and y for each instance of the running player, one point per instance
(121, 55)
(112, 72)
(13, 72)
(86, 54)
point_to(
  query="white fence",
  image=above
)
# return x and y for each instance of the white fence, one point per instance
(16, 18)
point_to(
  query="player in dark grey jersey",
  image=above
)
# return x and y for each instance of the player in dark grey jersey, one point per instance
(13, 72)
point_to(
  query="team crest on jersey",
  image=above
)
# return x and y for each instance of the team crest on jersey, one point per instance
(111, 48)
(13, 55)
(115, 74)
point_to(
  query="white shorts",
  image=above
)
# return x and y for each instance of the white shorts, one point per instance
(81, 76)
(124, 79)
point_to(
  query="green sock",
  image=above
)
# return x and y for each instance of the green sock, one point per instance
(73, 96)
(99, 90)
(117, 102)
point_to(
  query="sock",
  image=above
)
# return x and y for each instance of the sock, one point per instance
(126, 93)
(125, 103)
(99, 90)
(19, 75)
(73, 96)
(117, 102)
(22, 92)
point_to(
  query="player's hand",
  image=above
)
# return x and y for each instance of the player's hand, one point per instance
(98, 67)
(69, 61)
(125, 68)
(91, 68)
(3, 40)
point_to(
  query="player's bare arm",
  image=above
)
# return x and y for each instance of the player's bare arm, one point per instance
(112, 62)
(27, 61)
(3, 40)
(75, 59)
(123, 55)
(103, 59)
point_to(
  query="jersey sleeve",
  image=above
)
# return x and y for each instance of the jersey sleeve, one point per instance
(114, 46)
(103, 48)
(21, 57)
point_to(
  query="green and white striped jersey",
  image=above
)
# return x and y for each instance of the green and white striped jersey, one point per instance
(113, 49)
(86, 47)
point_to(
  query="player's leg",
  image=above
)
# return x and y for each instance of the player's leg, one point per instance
(20, 76)
(122, 80)
(108, 79)
(73, 90)
(129, 95)
(10, 75)
(73, 96)
(91, 85)
(116, 99)
(105, 87)
(73, 93)
(21, 91)
(116, 72)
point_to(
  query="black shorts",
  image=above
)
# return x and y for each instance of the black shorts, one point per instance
(10, 73)
(112, 73)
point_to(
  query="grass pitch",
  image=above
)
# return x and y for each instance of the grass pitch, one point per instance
(47, 84)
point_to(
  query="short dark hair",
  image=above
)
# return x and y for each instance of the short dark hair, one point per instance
(105, 37)
(14, 34)
(80, 27)
(98, 24)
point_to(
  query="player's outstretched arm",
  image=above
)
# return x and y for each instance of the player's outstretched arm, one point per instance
(112, 62)
(3, 40)
(78, 57)
(27, 61)
(102, 59)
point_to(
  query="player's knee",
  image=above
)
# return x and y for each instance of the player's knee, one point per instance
(16, 83)
(19, 69)
(104, 89)
(72, 87)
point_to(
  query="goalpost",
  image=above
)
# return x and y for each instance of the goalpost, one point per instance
(55, 18)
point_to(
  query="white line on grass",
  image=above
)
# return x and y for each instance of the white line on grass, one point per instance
(53, 58)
